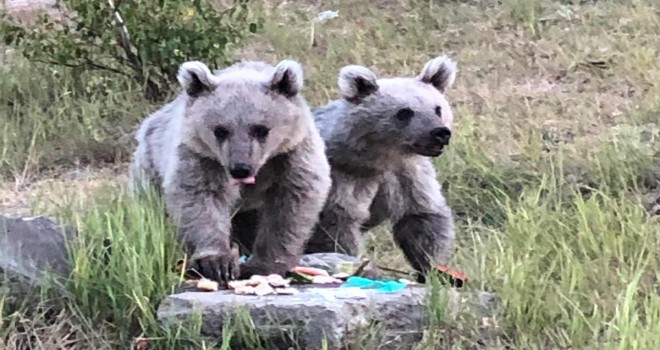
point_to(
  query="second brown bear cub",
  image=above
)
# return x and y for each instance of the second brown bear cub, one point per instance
(380, 139)
(240, 141)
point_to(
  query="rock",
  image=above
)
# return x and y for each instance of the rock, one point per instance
(327, 260)
(318, 313)
(651, 201)
(32, 247)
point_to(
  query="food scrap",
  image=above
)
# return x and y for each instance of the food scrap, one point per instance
(277, 281)
(312, 275)
(207, 285)
(245, 290)
(325, 280)
(276, 284)
(261, 285)
(263, 289)
(312, 271)
(456, 278)
(301, 277)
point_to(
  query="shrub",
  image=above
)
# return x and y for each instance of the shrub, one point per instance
(144, 40)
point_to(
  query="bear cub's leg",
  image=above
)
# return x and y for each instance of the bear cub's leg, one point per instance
(201, 211)
(424, 226)
(347, 208)
(290, 211)
(244, 228)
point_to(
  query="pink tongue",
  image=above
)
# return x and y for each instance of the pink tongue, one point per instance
(247, 180)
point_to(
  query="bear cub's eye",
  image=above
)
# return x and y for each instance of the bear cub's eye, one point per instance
(438, 111)
(404, 114)
(220, 133)
(260, 132)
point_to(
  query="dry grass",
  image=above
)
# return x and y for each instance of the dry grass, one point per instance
(557, 140)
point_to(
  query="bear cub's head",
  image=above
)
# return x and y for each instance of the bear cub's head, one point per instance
(409, 113)
(245, 114)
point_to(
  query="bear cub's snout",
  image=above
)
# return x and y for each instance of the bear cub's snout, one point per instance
(240, 170)
(440, 136)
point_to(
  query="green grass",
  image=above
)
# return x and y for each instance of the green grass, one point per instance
(553, 158)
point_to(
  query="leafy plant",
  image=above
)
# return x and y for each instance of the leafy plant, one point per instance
(144, 40)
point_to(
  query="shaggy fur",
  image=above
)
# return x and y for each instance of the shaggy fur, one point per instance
(380, 137)
(237, 147)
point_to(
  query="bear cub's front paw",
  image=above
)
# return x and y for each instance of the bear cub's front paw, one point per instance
(219, 267)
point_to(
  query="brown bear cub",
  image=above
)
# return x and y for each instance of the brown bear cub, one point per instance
(239, 144)
(380, 139)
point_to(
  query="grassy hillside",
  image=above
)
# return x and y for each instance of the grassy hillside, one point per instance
(553, 164)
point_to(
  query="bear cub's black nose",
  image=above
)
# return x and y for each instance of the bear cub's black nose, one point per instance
(240, 170)
(441, 135)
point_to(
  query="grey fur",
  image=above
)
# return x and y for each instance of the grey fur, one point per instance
(189, 159)
(382, 163)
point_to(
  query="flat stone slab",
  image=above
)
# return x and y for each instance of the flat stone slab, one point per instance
(317, 315)
(32, 247)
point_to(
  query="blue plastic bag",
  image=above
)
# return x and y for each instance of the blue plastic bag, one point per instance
(379, 286)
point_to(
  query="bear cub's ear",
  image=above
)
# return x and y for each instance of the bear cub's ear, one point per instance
(439, 72)
(357, 82)
(287, 79)
(196, 78)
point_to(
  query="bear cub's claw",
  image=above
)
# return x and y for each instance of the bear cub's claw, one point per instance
(221, 268)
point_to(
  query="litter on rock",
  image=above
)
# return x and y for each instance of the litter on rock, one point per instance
(261, 285)
(278, 281)
(379, 286)
(351, 284)
(207, 285)
(263, 289)
(456, 278)
(325, 280)
(312, 271)
(244, 290)
(286, 291)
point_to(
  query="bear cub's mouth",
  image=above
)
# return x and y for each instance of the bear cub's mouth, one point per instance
(428, 151)
(242, 174)
(433, 153)
(250, 180)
